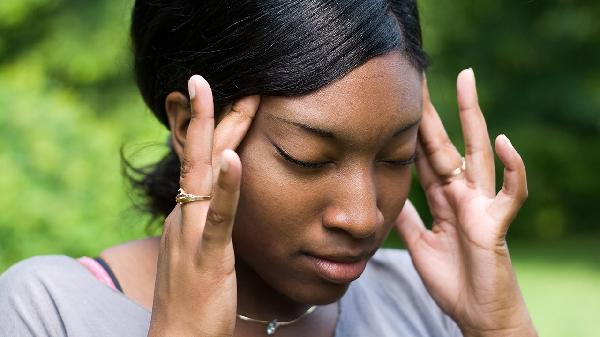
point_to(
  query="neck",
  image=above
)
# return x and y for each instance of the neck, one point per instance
(256, 299)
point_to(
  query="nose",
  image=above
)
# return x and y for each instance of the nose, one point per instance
(353, 208)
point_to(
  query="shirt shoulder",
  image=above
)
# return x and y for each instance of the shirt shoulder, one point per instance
(53, 295)
(26, 299)
(390, 299)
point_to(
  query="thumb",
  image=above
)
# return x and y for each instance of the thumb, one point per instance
(409, 225)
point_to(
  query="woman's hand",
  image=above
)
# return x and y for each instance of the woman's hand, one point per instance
(195, 292)
(463, 260)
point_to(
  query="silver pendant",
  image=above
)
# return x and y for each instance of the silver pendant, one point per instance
(272, 327)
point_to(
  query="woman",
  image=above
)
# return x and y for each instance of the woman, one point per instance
(326, 106)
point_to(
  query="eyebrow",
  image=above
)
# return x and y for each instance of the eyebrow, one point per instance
(330, 134)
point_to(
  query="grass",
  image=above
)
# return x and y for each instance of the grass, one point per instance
(560, 281)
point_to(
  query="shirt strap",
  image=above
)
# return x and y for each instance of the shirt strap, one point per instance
(101, 271)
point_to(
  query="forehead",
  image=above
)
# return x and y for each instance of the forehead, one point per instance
(372, 100)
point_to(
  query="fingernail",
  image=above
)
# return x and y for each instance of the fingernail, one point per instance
(471, 71)
(224, 161)
(192, 87)
(506, 140)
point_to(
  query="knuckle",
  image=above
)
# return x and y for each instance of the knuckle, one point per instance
(241, 113)
(519, 196)
(216, 218)
(524, 194)
(187, 166)
(436, 146)
(198, 116)
(430, 147)
(472, 148)
(447, 143)
(206, 161)
(223, 183)
(194, 113)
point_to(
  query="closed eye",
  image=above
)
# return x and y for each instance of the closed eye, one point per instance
(403, 162)
(300, 163)
(313, 165)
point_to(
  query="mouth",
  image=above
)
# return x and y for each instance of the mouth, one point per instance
(339, 269)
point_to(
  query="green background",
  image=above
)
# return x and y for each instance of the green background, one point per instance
(68, 103)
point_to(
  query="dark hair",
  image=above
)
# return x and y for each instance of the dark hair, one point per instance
(267, 47)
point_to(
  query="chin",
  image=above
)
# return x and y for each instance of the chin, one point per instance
(319, 292)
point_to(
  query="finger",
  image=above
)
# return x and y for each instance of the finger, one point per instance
(478, 150)
(425, 172)
(234, 126)
(171, 229)
(410, 226)
(221, 214)
(511, 197)
(196, 162)
(431, 184)
(442, 154)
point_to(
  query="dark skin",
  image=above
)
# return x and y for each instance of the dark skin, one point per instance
(347, 203)
(350, 200)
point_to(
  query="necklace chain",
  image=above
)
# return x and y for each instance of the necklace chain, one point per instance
(272, 325)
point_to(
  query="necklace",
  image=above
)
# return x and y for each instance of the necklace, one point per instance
(274, 324)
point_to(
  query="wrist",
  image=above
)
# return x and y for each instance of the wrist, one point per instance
(524, 331)
(518, 324)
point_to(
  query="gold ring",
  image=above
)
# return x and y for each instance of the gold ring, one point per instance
(458, 170)
(184, 197)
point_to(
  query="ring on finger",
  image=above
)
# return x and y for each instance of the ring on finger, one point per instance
(458, 170)
(183, 197)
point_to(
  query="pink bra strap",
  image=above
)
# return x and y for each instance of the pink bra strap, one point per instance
(97, 270)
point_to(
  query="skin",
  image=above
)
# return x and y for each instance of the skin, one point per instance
(251, 258)
(349, 205)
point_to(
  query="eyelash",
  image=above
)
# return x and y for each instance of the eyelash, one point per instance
(298, 162)
(404, 162)
(309, 165)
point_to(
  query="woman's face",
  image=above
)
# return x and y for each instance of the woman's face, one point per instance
(308, 229)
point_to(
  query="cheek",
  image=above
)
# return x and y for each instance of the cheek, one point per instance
(274, 211)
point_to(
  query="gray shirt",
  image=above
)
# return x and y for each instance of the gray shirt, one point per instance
(56, 296)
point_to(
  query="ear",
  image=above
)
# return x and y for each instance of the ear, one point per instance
(177, 107)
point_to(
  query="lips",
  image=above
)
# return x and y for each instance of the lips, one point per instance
(338, 269)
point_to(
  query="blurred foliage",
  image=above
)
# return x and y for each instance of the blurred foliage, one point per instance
(68, 102)
(538, 70)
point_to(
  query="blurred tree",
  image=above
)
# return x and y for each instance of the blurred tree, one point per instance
(538, 70)
(67, 103)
